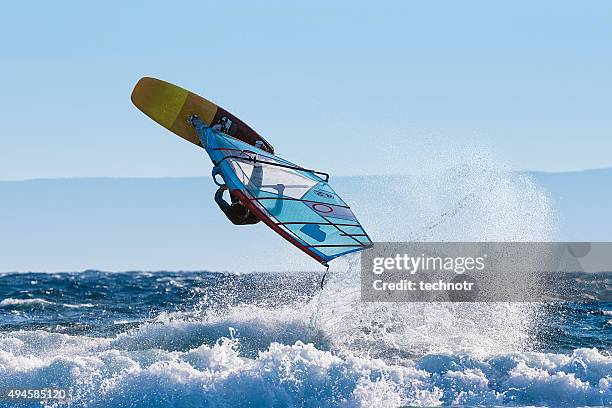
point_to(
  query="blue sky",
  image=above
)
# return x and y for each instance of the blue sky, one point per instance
(348, 87)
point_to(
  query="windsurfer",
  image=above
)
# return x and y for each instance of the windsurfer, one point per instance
(236, 212)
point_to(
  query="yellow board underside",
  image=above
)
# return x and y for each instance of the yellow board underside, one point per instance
(171, 106)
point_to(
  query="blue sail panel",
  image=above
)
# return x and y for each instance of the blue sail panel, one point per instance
(295, 202)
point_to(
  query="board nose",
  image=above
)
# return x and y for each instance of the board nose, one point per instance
(159, 100)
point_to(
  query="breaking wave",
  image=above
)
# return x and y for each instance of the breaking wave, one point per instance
(274, 359)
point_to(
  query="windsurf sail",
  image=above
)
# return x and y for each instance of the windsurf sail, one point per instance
(295, 202)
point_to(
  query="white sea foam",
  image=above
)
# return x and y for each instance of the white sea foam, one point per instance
(78, 305)
(10, 302)
(16, 302)
(112, 372)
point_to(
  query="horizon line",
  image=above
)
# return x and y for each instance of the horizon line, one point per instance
(66, 178)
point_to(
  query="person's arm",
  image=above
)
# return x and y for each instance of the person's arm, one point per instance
(223, 205)
(227, 209)
(278, 204)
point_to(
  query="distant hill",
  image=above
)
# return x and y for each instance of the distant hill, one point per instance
(583, 200)
(173, 224)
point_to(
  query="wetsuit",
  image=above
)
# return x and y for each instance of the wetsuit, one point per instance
(236, 212)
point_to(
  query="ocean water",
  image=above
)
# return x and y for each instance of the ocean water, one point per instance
(205, 339)
(191, 339)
